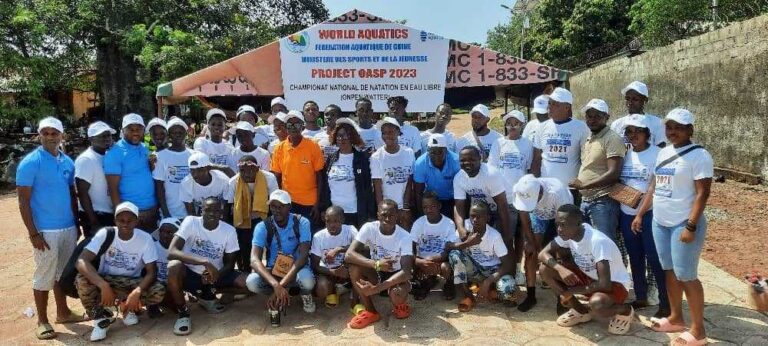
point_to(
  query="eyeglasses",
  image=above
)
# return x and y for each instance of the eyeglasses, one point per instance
(247, 163)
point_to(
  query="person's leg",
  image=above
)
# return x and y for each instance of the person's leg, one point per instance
(90, 296)
(603, 215)
(44, 277)
(175, 286)
(457, 261)
(558, 286)
(324, 287)
(257, 285)
(357, 273)
(449, 288)
(652, 258)
(662, 236)
(685, 257)
(67, 241)
(398, 295)
(244, 240)
(636, 252)
(540, 229)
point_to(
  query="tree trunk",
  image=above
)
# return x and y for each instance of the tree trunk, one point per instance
(121, 92)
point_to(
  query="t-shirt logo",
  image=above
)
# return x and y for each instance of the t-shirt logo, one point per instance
(341, 173)
(119, 259)
(207, 249)
(511, 161)
(177, 173)
(396, 175)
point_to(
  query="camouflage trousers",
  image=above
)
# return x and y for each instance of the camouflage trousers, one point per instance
(90, 294)
(466, 271)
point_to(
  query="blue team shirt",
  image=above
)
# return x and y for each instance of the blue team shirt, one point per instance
(438, 180)
(130, 162)
(287, 238)
(50, 178)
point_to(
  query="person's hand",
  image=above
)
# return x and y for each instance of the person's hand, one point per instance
(568, 276)
(461, 230)
(133, 302)
(152, 161)
(531, 249)
(473, 239)
(211, 274)
(485, 289)
(428, 266)
(331, 254)
(687, 236)
(565, 298)
(637, 225)
(279, 298)
(38, 242)
(366, 288)
(575, 184)
(386, 264)
(108, 296)
(340, 272)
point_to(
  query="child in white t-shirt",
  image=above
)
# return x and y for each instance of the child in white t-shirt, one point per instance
(203, 182)
(329, 247)
(163, 236)
(430, 233)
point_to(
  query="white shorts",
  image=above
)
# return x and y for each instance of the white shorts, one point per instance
(49, 264)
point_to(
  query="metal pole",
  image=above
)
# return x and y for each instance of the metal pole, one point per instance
(522, 41)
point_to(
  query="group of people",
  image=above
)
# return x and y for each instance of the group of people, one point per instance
(279, 206)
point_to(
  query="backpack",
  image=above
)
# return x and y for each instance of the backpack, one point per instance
(271, 230)
(67, 280)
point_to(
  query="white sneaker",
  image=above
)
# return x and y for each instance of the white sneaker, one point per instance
(130, 318)
(100, 328)
(309, 303)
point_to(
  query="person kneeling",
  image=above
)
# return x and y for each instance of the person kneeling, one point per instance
(482, 258)
(202, 260)
(388, 268)
(329, 247)
(286, 238)
(118, 277)
(597, 271)
(430, 233)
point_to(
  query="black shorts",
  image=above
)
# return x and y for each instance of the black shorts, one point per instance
(193, 282)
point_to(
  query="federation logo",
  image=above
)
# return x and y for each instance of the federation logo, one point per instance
(297, 43)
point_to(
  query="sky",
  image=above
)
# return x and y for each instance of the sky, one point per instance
(463, 20)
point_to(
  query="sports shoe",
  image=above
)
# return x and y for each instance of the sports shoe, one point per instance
(130, 318)
(309, 303)
(100, 328)
(274, 317)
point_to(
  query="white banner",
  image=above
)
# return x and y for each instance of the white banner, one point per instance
(339, 63)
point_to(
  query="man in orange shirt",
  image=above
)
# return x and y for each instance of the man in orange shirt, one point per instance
(297, 163)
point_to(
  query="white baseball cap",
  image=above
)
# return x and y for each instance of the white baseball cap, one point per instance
(132, 119)
(198, 160)
(281, 196)
(279, 116)
(176, 121)
(166, 221)
(277, 101)
(681, 116)
(155, 122)
(514, 114)
(127, 206)
(98, 128)
(388, 120)
(526, 193)
(212, 112)
(561, 95)
(244, 125)
(596, 104)
(260, 138)
(437, 140)
(638, 86)
(637, 120)
(294, 114)
(50, 122)
(482, 109)
(245, 108)
(348, 121)
(541, 104)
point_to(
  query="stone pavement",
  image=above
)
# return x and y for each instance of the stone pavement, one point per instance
(435, 321)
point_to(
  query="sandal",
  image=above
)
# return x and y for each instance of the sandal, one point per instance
(331, 301)
(466, 304)
(401, 311)
(183, 326)
(363, 319)
(572, 317)
(73, 318)
(689, 339)
(621, 324)
(212, 306)
(357, 309)
(663, 325)
(45, 332)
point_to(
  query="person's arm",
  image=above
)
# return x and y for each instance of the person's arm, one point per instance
(377, 190)
(160, 196)
(259, 267)
(610, 177)
(502, 210)
(175, 253)
(603, 283)
(113, 185)
(536, 164)
(507, 264)
(354, 257)
(299, 263)
(85, 201)
(84, 267)
(190, 207)
(645, 205)
(459, 215)
(320, 186)
(703, 187)
(149, 278)
(224, 169)
(25, 195)
(418, 190)
(73, 205)
(229, 263)
(404, 275)
(527, 228)
(317, 268)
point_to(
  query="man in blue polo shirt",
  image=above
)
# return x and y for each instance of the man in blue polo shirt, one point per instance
(45, 183)
(434, 171)
(129, 177)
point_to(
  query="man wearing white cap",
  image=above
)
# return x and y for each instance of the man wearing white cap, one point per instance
(392, 170)
(278, 105)
(602, 157)
(127, 168)
(635, 97)
(156, 137)
(409, 134)
(434, 172)
(46, 187)
(481, 135)
(370, 134)
(245, 132)
(443, 116)
(202, 183)
(248, 114)
(170, 170)
(540, 112)
(126, 271)
(217, 149)
(557, 152)
(95, 207)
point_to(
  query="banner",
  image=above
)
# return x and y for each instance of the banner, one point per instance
(339, 63)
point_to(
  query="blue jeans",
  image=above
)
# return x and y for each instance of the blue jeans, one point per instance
(603, 215)
(641, 247)
(682, 258)
(305, 281)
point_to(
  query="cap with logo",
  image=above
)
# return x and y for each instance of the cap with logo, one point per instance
(156, 122)
(637, 120)
(127, 206)
(98, 128)
(50, 122)
(176, 121)
(637, 86)
(482, 109)
(596, 104)
(681, 116)
(245, 108)
(281, 196)
(514, 114)
(526, 193)
(437, 140)
(198, 160)
(132, 119)
(541, 104)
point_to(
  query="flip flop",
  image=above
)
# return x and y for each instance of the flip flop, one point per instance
(401, 311)
(663, 325)
(73, 318)
(183, 326)
(331, 300)
(466, 304)
(572, 318)
(363, 319)
(689, 340)
(45, 331)
(357, 309)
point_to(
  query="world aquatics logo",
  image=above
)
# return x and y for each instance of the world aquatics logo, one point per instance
(298, 42)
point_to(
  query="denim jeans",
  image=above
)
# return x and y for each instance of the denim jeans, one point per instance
(603, 215)
(682, 258)
(305, 281)
(642, 247)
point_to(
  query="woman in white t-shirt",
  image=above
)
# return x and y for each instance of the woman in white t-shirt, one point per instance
(637, 173)
(392, 171)
(683, 177)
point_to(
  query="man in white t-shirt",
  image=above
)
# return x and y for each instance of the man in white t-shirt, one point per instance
(540, 113)
(443, 116)
(119, 274)
(482, 258)
(481, 135)
(389, 267)
(171, 168)
(430, 233)
(635, 97)
(557, 152)
(202, 259)
(409, 134)
(329, 246)
(95, 207)
(201, 183)
(392, 171)
(597, 271)
(311, 111)
(217, 149)
(370, 134)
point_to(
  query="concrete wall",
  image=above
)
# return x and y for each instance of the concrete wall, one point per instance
(721, 76)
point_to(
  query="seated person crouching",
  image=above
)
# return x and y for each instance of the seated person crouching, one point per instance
(202, 259)
(430, 233)
(481, 258)
(119, 275)
(286, 238)
(389, 267)
(597, 271)
(163, 237)
(329, 246)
